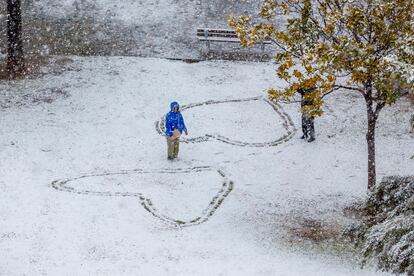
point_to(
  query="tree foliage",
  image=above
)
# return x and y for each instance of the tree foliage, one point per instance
(332, 44)
(364, 46)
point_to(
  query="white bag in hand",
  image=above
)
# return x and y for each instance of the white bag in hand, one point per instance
(176, 134)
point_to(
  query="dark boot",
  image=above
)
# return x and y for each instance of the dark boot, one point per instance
(311, 129)
(304, 128)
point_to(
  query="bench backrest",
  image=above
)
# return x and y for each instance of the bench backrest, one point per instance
(205, 32)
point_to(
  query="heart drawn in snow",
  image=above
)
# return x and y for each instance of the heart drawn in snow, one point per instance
(237, 120)
(133, 183)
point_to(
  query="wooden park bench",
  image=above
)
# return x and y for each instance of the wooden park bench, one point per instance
(222, 35)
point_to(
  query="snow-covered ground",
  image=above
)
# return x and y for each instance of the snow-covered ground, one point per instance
(121, 208)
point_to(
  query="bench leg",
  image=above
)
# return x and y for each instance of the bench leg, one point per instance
(207, 42)
(263, 48)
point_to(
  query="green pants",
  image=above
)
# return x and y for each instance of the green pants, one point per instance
(173, 147)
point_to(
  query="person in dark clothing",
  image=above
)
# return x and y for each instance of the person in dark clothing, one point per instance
(308, 125)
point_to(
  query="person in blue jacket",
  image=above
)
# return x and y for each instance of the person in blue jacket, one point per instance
(174, 127)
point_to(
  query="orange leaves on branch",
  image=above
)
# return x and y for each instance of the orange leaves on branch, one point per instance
(267, 9)
(249, 34)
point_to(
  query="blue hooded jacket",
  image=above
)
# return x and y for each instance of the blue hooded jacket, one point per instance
(174, 120)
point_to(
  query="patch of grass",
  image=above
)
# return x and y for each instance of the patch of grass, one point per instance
(35, 66)
(308, 229)
(32, 64)
(411, 98)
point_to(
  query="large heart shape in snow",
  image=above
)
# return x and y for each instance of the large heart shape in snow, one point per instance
(177, 191)
(237, 122)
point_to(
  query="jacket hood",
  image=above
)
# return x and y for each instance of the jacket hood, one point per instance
(174, 104)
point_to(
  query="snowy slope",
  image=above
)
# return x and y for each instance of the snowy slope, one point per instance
(152, 28)
(105, 128)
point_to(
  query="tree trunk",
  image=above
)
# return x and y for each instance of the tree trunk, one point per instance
(372, 176)
(15, 59)
(372, 116)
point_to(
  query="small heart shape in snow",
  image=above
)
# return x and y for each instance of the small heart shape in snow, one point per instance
(239, 122)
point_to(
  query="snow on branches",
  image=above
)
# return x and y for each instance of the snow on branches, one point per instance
(386, 233)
